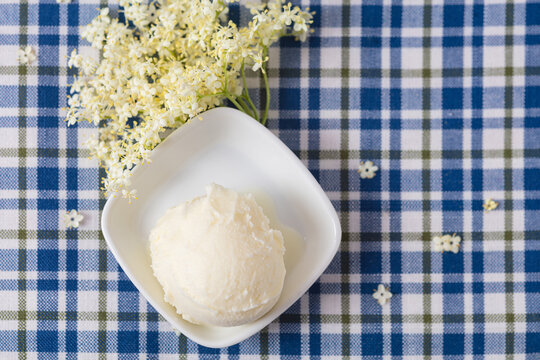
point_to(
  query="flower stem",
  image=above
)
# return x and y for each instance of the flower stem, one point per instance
(231, 99)
(247, 110)
(267, 88)
(246, 93)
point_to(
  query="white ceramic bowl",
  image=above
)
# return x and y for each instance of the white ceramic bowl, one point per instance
(232, 149)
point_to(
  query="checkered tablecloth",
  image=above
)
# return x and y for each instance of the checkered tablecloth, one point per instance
(443, 96)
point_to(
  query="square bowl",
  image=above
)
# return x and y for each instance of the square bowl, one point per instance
(231, 149)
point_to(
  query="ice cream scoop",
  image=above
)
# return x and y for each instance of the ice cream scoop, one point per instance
(217, 258)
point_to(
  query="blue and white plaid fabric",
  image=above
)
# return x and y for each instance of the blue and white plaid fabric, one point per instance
(444, 96)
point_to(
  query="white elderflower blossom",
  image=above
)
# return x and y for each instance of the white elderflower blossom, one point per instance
(367, 169)
(27, 55)
(169, 61)
(447, 243)
(438, 244)
(382, 295)
(489, 205)
(72, 219)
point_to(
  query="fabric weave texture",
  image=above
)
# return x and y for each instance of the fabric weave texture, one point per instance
(443, 96)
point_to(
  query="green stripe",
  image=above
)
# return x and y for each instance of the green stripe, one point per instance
(102, 261)
(120, 316)
(313, 154)
(264, 343)
(352, 236)
(508, 253)
(22, 233)
(399, 73)
(102, 289)
(426, 183)
(45, 153)
(344, 181)
(286, 73)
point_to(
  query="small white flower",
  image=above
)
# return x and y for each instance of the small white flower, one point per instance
(455, 242)
(129, 194)
(490, 205)
(447, 243)
(63, 1)
(438, 244)
(72, 219)
(367, 169)
(27, 55)
(382, 295)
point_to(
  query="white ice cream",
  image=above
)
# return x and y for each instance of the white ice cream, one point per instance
(217, 258)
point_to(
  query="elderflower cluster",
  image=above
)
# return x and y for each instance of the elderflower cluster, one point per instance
(169, 61)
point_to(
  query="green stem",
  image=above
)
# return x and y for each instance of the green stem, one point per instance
(267, 105)
(246, 94)
(199, 97)
(266, 86)
(231, 99)
(247, 110)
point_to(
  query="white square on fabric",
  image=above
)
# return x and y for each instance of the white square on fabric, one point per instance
(9, 219)
(330, 58)
(435, 139)
(494, 56)
(412, 304)
(518, 56)
(412, 83)
(436, 222)
(88, 301)
(411, 140)
(492, 139)
(331, 328)
(330, 164)
(494, 220)
(413, 328)
(518, 135)
(411, 58)
(411, 221)
(519, 300)
(411, 245)
(354, 302)
(411, 164)
(354, 139)
(354, 58)
(493, 163)
(495, 303)
(9, 301)
(330, 304)
(436, 54)
(354, 221)
(437, 307)
(31, 137)
(9, 138)
(330, 139)
(11, 49)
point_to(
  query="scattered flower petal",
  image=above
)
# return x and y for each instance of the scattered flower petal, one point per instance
(438, 244)
(367, 169)
(27, 55)
(382, 295)
(72, 219)
(490, 204)
(447, 243)
(63, 1)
